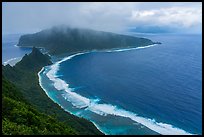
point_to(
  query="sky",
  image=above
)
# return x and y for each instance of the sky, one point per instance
(119, 17)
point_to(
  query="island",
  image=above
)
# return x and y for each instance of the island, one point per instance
(63, 39)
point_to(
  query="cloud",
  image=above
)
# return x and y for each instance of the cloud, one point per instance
(111, 16)
(180, 16)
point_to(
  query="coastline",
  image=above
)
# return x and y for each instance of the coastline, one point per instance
(163, 126)
(27, 70)
(12, 61)
(40, 83)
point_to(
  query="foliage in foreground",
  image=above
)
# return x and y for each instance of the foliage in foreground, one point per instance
(21, 118)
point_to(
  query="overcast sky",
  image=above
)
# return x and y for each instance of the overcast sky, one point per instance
(21, 17)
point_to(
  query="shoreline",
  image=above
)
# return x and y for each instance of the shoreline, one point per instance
(169, 127)
(69, 57)
(40, 83)
(12, 61)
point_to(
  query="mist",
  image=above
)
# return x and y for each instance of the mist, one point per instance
(22, 17)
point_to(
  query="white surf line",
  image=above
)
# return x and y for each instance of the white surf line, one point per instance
(98, 127)
(10, 60)
(40, 83)
(46, 92)
(127, 49)
(104, 109)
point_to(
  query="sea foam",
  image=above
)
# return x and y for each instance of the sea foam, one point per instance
(126, 49)
(16, 46)
(108, 109)
(12, 61)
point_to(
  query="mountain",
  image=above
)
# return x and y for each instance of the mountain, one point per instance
(35, 60)
(151, 29)
(25, 78)
(63, 39)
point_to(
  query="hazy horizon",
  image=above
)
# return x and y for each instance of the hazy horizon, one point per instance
(174, 17)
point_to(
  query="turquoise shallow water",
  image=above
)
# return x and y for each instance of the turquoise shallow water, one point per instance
(143, 91)
(108, 124)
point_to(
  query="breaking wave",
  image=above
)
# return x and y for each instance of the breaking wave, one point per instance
(12, 61)
(107, 109)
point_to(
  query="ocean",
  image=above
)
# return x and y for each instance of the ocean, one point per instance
(10, 52)
(151, 90)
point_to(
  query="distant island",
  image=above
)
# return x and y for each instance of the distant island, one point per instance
(62, 39)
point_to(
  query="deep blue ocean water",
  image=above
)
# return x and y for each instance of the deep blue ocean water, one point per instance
(130, 92)
(155, 87)
(161, 83)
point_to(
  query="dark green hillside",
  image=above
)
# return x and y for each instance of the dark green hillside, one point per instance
(62, 39)
(24, 76)
(20, 118)
(35, 60)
